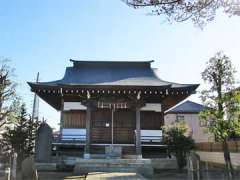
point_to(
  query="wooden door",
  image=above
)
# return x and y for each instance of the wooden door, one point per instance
(123, 126)
(100, 133)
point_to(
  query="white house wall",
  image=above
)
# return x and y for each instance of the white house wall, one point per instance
(193, 122)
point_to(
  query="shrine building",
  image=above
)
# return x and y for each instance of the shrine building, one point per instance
(112, 106)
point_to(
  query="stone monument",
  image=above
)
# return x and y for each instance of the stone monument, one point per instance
(44, 143)
(29, 171)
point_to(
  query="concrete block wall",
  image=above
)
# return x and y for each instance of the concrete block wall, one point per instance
(163, 163)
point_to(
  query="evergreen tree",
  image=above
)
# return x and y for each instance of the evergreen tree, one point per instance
(21, 137)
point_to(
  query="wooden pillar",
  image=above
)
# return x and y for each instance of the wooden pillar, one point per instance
(138, 134)
(112, 126)
(88, 127)
(61, 116)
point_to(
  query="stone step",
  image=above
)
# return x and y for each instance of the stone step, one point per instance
(122, 161)
(141, 166)
(133, 165)
(113, 175)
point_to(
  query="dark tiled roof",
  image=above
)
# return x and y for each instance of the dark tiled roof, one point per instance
(187, 107)
(112, 73)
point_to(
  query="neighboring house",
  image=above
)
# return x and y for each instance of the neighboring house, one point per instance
(236, 91)
(188, 111)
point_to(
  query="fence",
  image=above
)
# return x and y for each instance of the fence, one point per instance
(234, 146)
(6, 166)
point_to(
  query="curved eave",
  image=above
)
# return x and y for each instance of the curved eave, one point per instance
(54, 99)
(42, 85)
(185, 86)
(35, 86)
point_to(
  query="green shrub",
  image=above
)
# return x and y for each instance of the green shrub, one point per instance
(179, 141)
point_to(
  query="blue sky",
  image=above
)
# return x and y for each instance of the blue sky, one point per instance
(42, 35)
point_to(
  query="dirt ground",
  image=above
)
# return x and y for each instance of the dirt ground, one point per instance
(217, 174)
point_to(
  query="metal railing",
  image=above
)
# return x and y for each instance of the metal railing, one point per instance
(152, 139)
(69, 138)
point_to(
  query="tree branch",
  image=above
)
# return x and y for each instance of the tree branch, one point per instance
(152, 3)
(3, 123)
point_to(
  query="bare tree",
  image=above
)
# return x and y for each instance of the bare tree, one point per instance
(199, 11)
(7, 91)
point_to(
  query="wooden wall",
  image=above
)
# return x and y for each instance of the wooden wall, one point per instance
(151, 120)
(74, 119)
(124, 124)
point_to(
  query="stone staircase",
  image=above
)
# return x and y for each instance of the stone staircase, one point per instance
(141, 166)
(79, 167)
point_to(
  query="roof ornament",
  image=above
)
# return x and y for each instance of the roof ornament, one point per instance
(166, 91)
(139, 95)
(61, 91)
(88, 95)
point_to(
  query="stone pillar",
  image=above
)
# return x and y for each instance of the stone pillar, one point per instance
(88, 127)
(138, 134)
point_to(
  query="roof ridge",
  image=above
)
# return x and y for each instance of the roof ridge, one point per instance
(192, 102)
(109, 61)
(186, 106)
